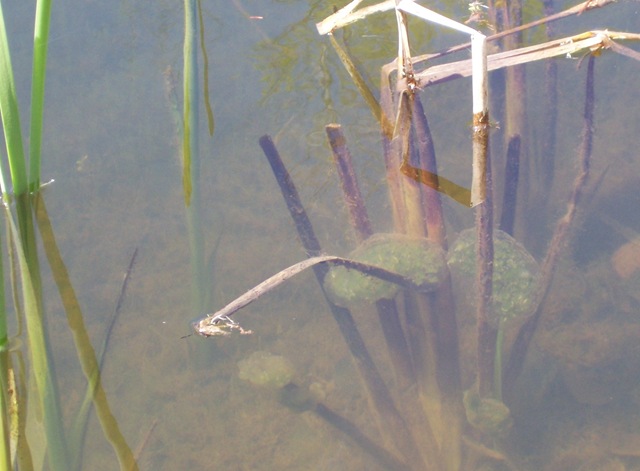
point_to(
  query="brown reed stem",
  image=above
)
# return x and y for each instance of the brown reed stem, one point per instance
(391, 423)
(484, 262)
(432, 201)
(443, 319)
(350, 189)
(386, 308)
(558, 241)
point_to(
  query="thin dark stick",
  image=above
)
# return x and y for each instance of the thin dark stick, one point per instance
(116, 312)
(386, 308)
(299, 400)
(521, 344)
(382, 456)
(391, 422)
(94, 384)
(510, 195)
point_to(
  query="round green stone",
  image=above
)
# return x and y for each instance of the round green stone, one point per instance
(415, 258)
(515, 273)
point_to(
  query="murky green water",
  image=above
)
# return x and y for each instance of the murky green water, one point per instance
(110, 143)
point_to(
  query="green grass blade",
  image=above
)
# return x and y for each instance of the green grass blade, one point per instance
(205, 74)
(40, 46)
(191, 156)
(58, 455)
(10, 118)
(5, 399)
(190, 92)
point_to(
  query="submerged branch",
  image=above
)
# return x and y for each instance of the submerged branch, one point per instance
(289, 272)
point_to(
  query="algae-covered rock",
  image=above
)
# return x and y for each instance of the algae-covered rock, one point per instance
(486, 414)
(415, 258)
(515, 273)
(264, 369)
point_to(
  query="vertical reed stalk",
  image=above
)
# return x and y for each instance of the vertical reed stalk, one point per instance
(6, 414)
(37, 334)
(432, 200)
(482, 198)
(191, 157)
(10, 120)
(386, 308)
(510, 193)
(40, 46)
(486, 332)
(515, 109)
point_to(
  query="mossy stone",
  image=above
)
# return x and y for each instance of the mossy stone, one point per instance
(486, 414)
(415, 258)
(265, 369)
(515, 273)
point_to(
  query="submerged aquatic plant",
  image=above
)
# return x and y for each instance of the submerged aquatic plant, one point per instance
(515, 284)
(415, 258)
(262, 368)
(515, 274)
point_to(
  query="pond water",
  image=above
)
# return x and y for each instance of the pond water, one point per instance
(112, 146)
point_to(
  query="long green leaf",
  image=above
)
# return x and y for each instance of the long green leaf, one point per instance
(10, 119)
(40, 356)
(191, 155)
(40, 46)
(205, 74)
(5, 397)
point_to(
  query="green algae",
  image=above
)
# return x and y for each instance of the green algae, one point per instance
(262, 368)
(515, 273)
(415, 258)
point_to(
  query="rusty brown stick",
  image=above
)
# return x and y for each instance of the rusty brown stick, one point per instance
(348, 181)
(484, 261)
(386, 308)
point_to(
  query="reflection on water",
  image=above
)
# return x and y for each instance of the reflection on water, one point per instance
(187, 403)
